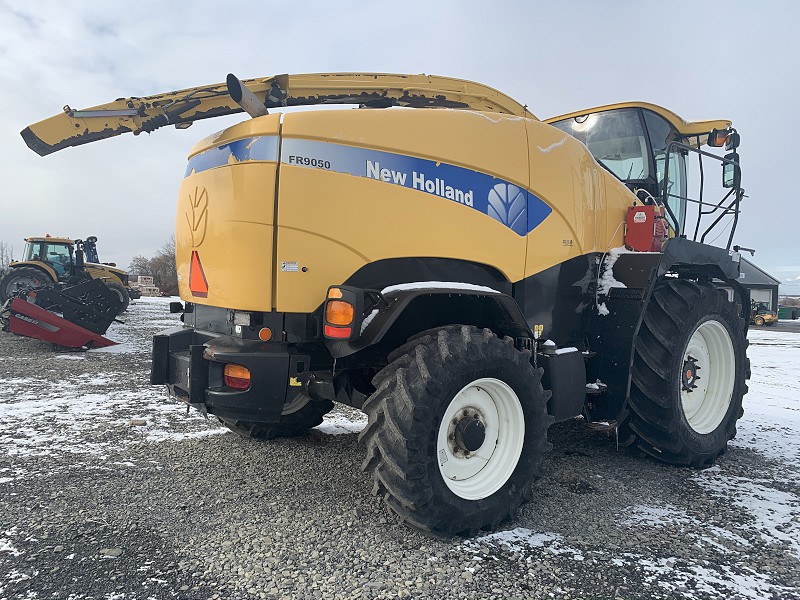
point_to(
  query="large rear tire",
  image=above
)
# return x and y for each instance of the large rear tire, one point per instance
(121, 293)
(298, 416)
(20, 278)
(457, 430)
(688, 375)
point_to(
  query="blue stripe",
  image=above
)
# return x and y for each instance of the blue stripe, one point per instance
(513, 206)
(262, 148)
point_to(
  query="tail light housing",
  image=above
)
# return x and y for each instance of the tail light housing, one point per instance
(343, 313)
(345, 309)
(237, 376)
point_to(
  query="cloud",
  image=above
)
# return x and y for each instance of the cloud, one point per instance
(124, 190)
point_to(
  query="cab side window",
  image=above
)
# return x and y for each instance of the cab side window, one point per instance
(661, 134)
(57, 255)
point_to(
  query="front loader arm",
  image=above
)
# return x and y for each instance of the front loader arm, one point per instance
(181, 108)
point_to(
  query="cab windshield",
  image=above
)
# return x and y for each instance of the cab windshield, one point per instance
(615, 138)
(31, 251)
(632, 143)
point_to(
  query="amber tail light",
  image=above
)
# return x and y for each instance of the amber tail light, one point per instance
(237, 377)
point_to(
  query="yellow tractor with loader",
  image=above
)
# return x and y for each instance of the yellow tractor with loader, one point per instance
(460, 270)
(47, 260)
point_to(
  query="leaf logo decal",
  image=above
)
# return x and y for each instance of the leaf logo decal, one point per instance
(197, 216)
(508, 204)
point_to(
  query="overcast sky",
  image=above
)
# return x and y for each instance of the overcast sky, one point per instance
(736, 60)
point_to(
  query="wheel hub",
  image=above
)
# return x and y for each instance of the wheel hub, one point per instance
(689, 375)
(470, 433)
(480, 438)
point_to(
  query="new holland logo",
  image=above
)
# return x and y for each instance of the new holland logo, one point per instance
(197, 216)
(507, 204)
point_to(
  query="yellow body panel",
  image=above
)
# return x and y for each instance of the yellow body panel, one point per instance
(446, 135)
(589, 204)
(328, 222)
(364, 221)
(226, 215)
(103, 272)
(269, 125)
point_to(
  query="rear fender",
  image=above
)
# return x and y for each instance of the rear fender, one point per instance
(414, 310)
(103, 273)
(37, 265)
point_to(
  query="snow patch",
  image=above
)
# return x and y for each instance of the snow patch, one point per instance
(566, 350)
(606, 279)
(552, 146)
(338, 424)
(8, 548)
(775, 513)
(368, 319)
(437, 285)
(525, 541)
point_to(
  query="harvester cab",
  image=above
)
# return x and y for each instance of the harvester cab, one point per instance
(647, 147)
(462, 272)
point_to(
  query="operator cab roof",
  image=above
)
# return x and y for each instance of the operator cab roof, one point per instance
(683, 127)
(48, 238)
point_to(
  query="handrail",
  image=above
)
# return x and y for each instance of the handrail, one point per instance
(732, 208)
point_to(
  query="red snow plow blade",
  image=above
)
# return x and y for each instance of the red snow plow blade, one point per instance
(33, 321)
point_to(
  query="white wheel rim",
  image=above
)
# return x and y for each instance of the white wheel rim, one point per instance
(706, 405)
(479, 474)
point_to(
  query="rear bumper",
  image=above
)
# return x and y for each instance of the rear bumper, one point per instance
(191, 364)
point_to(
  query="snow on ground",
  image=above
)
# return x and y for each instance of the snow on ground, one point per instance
(55, 409)
(55, 406)
(770, 427)
(336, 423)
(771, 422)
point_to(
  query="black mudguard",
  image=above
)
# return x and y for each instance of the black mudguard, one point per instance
(501, 314)
(613, 337)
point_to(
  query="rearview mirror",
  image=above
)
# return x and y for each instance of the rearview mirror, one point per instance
(731, 171)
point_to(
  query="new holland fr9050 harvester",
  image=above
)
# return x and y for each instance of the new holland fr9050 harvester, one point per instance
(460, 270)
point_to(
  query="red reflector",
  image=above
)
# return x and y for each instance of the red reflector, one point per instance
(237, 377)
(237, 383)
(198, 284)
(338, 332)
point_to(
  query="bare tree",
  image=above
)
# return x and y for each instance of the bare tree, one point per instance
(162, 268)
(139, 266)
(6, 254)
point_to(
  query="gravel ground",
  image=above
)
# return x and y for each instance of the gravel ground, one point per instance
(109, 490)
